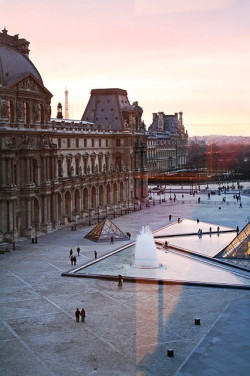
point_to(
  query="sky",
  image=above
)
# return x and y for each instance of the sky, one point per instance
(170, 55)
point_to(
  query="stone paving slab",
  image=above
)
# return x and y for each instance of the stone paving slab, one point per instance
(127, 331)
(225, 349)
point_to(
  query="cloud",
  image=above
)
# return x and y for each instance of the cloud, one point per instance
(147, 7)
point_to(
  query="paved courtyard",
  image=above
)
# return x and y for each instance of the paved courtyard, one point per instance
(127, 330)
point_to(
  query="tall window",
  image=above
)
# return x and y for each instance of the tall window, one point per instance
(59, 143)
(10, 111)
(41, 114)
(100, 142)
(85, 142)
(26, 113)
(68, 142)
(118, 142)
(93, 142)
(77, 142)
(77, 166)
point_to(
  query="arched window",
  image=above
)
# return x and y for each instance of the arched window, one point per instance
(10, 111)
(26, 113)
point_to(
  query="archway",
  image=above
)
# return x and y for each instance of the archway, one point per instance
(93, 197)
(59, 205)
(115, 193)
(85, 199)
(101, 196)
(36, 217)
(77, 201)
(108, 194)
(68, 205)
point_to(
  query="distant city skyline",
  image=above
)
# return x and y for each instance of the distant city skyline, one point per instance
(187, 55)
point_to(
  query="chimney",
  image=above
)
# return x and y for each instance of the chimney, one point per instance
(59, 111)
(180, 117)
(176, 114)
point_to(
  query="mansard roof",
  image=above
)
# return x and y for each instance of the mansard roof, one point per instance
(105, 107)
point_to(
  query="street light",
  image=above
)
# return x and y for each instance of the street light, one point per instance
(13, 241)
(74, 213)
(89, 217)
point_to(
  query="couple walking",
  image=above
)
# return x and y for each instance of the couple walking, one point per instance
(79, 313)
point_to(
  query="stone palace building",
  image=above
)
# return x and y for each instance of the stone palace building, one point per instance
(55, 171)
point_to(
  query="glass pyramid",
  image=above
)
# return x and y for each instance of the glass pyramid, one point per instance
(239, 247)
(104, 230)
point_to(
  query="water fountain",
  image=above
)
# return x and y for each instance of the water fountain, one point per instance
(145, 250)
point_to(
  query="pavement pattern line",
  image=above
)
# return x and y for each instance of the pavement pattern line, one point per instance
(107, 343)
(60, 270)
(26, 346)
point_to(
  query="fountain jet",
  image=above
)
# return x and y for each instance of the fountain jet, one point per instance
(145, 250)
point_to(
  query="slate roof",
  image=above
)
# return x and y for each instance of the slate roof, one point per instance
(105, 107)
(13, 64)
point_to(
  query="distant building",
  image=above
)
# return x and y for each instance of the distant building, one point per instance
(167, 143)
(54, 171)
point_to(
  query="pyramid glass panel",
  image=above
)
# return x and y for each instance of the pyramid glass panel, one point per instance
(104, 230)
(239, 247)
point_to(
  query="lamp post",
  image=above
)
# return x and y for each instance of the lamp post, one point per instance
(98, 214)
(13, 241)
(74, 213)
(89, 217)
(35, 231)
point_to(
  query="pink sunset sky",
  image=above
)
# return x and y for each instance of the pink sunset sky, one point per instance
(170, 55)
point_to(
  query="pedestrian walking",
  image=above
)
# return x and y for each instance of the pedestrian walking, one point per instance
(179, 220)
(218, 229)
(240, 205)
(112, 240)
(95, 253)
(70, 253)
(120, 280)
(197, 220)
(128, 234)
(210, 229)
(170, 217)
(78, 250)
(77, 314)
(74, 260)
(83, 314)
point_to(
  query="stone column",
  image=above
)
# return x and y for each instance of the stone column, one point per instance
(48, 168)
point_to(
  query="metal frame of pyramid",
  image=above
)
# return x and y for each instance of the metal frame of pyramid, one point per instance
(239, 247)
(104, 230)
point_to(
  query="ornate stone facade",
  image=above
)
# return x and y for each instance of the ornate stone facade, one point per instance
(167, 143)
(54, 171)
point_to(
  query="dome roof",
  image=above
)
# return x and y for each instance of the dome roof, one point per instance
(14, 64)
